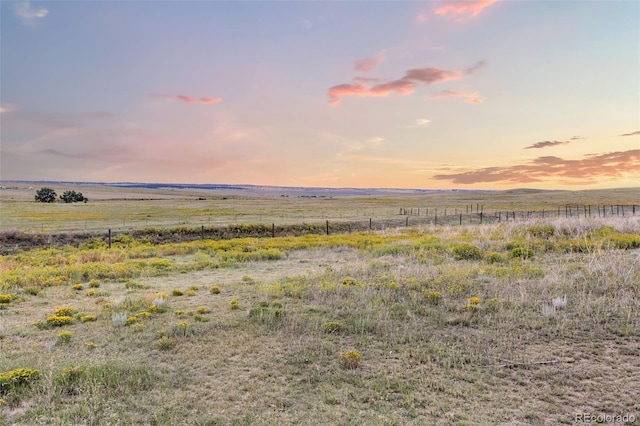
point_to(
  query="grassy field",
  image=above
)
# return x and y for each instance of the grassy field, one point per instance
(125, 209)
(420, 325)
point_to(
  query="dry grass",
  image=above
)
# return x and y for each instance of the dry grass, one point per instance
(126, 209)
(422, 363)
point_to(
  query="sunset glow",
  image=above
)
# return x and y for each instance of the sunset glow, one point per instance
(476, 94)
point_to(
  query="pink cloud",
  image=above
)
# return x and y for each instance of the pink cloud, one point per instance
(591, 168)
(472, 98)
(367, 80)
(189, 100)
(466, 8)
(367, 64)
(404, 86)
(431, 75)
(422, 18)
(336, 92)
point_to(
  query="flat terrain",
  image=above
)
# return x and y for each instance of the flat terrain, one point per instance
(525, 323)
(136, 208)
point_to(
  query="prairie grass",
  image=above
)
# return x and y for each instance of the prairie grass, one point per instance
(428, 325)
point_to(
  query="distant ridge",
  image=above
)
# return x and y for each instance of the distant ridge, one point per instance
(283, 190)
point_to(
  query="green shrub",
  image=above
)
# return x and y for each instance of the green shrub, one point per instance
(88, 318)
(494, 257)
(350, 359)
(65, 336)
(522, 252)
(65, 311)
(466, 252)
(45, 195)
(332, 327)
(18, 377)
(165, 343)
(542, 231)
(59, 320)
(348, 281)
(434, 297)
(32, 290)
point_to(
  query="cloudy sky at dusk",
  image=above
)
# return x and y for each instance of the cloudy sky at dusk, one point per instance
(468, 94)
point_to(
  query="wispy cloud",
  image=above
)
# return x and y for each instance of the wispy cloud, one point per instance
(420, 122)
(60, 121)
(8, 107)
(367, 64)
(422, 18)
(461, 8)
(375, 141)
(637, 132)
(590, 169)
(404, 86)
(471, 97)
(111, 154)
(545, 144)
(336, 92)
(25, 11)
(189, 100)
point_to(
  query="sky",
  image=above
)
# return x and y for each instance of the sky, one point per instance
(476, 94)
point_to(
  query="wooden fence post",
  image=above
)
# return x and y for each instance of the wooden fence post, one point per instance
(273, 230)
(109, 238)
(406, 223)
(202, 232)
(327, 227)
(370, 224)
(460, 218)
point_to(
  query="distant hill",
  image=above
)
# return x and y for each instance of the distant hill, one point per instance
(318, 192)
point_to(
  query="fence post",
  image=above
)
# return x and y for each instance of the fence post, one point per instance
(327, 227)
(202, 229)
(480, 217)
(273, 230)
(406, 223)
(460, 218)
(370, 224)
(109, 238)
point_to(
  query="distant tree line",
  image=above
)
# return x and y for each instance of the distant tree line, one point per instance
(48, 195)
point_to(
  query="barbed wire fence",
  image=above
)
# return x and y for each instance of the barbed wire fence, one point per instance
(189, 228)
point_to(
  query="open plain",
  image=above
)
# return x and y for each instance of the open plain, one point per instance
(527, 321)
